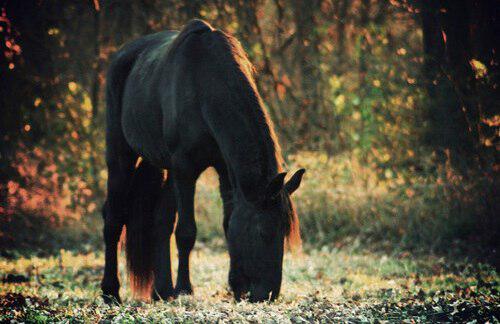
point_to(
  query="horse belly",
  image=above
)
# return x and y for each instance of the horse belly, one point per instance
(143, 132)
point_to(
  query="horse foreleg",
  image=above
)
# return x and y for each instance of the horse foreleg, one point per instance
(164, 225)
(185, 231)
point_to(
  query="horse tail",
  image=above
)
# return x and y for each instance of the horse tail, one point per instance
(139, 242)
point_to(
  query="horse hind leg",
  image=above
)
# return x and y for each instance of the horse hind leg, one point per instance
(226, 192)
(164, 220)
(120, 170)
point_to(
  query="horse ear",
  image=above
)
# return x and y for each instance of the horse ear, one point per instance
(275, 186)
(294, 182)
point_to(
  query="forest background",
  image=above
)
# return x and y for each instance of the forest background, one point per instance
(391, 106)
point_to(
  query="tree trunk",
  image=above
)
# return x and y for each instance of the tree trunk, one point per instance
(458, 34)
(307, 62)
(364, 46)
(96, 81)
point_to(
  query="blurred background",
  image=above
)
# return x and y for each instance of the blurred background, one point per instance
(391, 106)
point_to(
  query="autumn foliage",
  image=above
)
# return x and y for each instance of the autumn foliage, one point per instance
(391, 105)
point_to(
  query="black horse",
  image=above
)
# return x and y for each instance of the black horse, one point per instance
(184, 102)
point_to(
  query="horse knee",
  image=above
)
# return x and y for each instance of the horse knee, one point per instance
(164, 226)
(112, 233)
(112, 228)
(187, 231)
(185, 237)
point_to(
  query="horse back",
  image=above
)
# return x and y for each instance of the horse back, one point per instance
(160, 112)
(132, 111)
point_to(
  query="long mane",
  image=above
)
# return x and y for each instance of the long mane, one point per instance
(237, 65)
(240, 77)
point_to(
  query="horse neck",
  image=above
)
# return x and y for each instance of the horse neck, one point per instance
(263, 161)
(247, 143)
(235, 113)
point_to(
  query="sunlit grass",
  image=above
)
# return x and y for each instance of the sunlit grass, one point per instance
(321, 285)
(350, 213)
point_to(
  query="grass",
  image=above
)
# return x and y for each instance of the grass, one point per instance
(319, 285)
(374, 247)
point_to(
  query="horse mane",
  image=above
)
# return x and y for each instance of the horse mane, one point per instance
(234, 59)
(293, 238)
(236, 63)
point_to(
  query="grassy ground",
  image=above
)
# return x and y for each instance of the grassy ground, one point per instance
(357, 225)
(320, 285)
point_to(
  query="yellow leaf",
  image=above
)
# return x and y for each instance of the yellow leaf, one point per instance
(479, 68)
(72, 86)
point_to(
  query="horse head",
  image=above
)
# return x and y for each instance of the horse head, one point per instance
(256, 237)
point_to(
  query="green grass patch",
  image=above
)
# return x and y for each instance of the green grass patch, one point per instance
(321, 285)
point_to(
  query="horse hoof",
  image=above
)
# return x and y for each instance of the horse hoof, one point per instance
(111, 299)
(183, 291)
(110, 291)
(163, 295)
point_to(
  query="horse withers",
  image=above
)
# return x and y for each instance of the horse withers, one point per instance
(183, 102)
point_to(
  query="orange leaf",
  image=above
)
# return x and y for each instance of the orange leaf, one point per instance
(281, 91)
(286, 80)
